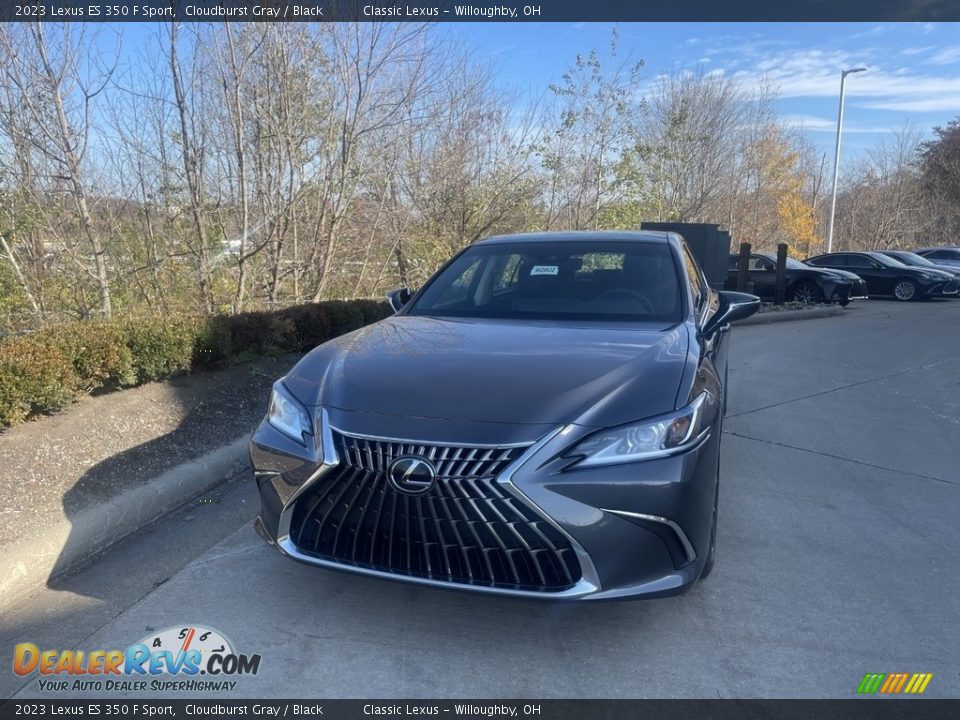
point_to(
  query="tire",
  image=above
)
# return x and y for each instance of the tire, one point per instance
(844, 303)
(807, 292)
(905, 290)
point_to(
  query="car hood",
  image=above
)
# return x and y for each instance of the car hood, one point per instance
(497, 371)
(942, 272)
(841, 274)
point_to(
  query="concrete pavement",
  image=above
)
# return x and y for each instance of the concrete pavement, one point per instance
(837, 557)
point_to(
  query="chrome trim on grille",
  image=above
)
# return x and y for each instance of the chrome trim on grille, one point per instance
(589, 572)
(588, 584)
(407, 441)
(681, 535)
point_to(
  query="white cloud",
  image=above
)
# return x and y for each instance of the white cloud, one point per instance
(813, 123)
(815, 72)
(942, 103)
(947, 56)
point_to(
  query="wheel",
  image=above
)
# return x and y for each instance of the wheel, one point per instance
(844, 302)
(808, 293)
(905, 290)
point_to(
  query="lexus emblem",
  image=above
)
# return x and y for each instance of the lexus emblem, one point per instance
(411, 475)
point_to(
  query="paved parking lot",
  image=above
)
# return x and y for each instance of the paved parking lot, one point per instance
(838, 555)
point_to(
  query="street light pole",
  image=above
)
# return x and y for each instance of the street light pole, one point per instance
(836, 155)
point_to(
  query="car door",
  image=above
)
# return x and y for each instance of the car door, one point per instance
(763, 275)
(880, 280)
(951, 258)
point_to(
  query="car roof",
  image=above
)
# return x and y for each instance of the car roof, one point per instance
(850, 252)
(648, 236)
(942, 247)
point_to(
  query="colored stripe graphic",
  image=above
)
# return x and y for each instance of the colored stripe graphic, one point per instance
(890, 683)
(871, 682)
(895, 683)
(918, 683)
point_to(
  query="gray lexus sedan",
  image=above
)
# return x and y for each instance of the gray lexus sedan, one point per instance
(542, 419)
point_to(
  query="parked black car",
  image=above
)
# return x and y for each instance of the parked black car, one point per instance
(804, 283)
(542, 419)
(914, 260)
(949, 256)
(886, 277)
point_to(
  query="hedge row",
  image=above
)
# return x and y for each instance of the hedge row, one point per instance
(49, 369)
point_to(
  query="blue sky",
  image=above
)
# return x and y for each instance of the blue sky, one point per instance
(913, 76)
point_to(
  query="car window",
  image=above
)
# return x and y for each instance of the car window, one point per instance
(761, 263)
(506, 274)
(635, 281)
(838, 260)
(458, 290)
(914, 260)
(859, 261)
(698, 284)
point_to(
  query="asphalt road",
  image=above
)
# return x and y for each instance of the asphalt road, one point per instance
(838, 556)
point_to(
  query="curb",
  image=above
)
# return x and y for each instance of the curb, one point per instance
(70, 542)
(790, 315)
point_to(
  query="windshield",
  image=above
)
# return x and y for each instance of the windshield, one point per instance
(613, 281)
(914, 260)
(791, 262)
(886, 260)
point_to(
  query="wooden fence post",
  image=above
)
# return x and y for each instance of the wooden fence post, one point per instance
(743, 266)
(780, 290)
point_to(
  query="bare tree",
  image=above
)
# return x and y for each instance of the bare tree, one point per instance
(57, 94)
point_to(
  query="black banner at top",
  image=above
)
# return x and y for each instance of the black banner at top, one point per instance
(479, 10)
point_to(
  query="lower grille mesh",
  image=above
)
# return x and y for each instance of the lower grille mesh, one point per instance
(465, 529)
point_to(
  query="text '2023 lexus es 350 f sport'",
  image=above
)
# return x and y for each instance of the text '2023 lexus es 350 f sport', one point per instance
(541, 419)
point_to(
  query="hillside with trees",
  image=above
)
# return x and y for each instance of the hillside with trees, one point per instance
(244, 167)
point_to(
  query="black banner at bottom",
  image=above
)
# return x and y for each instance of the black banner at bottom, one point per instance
(858, 709)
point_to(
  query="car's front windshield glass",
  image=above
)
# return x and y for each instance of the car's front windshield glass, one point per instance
(582, 280)
(792, 263)
(915, 260)
(886, 260)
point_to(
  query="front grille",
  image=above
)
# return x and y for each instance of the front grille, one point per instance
(466, 529)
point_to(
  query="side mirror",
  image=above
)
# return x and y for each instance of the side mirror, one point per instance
(733, 306)
(398, 298)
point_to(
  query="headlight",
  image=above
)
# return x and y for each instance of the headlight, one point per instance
(287, 415)
(649, 439)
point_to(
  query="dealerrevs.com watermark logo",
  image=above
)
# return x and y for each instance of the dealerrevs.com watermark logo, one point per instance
(186, 658)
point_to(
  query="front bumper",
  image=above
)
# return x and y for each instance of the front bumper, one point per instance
(859, 290)
(938, 288)
(638, 529)
(951, 288)
(837, 292)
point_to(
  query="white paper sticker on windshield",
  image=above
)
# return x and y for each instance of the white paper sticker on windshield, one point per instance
(545, 270)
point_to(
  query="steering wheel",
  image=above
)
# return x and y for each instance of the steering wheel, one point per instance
(633, 295)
